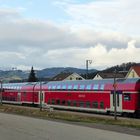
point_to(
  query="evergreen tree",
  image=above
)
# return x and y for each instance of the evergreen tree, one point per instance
(32, 77)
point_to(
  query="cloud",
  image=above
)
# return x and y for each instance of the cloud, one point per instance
(99, 54)
(41, 43)
(110, 15)
(8, 14)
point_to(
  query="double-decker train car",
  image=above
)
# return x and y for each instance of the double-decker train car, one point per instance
(19, 93)
(95, 95)
(83, 95)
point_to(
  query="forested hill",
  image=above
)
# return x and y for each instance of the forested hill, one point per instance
(19, 75)
(122, 67)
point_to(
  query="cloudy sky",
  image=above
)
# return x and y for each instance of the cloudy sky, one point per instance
(61, 33)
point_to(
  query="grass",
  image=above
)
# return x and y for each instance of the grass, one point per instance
(72, 117)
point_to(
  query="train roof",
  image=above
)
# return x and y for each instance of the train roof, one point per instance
(103, 81)
(98, 84)
(13, 85)
(105, 84)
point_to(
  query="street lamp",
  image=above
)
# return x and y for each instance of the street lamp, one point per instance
(0, 92)
(87, 62)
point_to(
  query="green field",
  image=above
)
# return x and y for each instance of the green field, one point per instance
(72, 117)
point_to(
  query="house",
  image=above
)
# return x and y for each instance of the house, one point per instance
(67, 76)
(103, 75)
(134, 72)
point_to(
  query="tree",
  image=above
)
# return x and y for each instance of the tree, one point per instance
(32, 77)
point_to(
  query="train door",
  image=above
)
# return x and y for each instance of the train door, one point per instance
(41, 98)
(118, 101)
(18, 97)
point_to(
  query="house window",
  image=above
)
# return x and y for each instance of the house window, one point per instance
(78, 78)
(133, 74)
(70, 78)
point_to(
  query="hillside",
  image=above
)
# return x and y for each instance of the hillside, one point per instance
(122, 67)
(51, 72)
(18, 75)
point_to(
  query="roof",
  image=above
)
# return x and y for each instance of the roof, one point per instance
(136, 69)
(111, 75)
(61, 76)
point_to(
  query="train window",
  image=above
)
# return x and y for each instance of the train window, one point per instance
(63, 102)
(95, 104)
(74, 103)
(69, 102)
(102, 87)
(75, 87)
(127, 97)
(81, 104)
(87, 104)
(58, 101)
(82, 87)
(88, 87)
(24, 94)
(58, 87)
(95, 87)
(64, 87)
(49, 87)
(53, 87)
(69, 87)
(53, 101)
(49, 101)
(101, 104)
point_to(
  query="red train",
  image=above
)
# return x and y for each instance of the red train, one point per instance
(84, 95)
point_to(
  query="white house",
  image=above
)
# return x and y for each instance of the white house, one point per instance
(67, 76)
(134, 72)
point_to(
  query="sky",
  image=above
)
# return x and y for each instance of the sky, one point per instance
(66, 33)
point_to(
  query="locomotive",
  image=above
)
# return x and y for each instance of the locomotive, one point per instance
(81, 95)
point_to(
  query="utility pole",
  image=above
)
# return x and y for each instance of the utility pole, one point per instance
(87, 61)
(115, 103)
(0, 92)
(41, 96)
